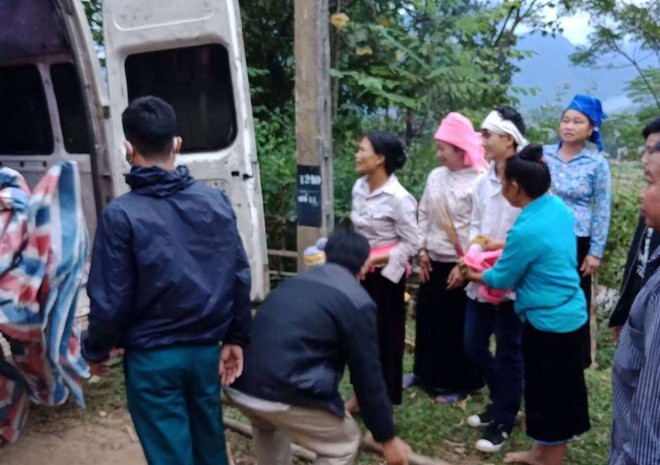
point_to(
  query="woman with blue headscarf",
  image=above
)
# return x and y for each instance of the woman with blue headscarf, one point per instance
(581, 177)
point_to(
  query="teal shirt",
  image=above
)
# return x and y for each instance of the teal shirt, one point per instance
(539, 262)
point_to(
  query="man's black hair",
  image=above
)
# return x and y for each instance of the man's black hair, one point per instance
(529, 170)
(391, 147)
(651, 128)
(511, 114)
(348, 249)
(150, 126)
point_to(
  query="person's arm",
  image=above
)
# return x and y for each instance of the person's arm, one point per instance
(111, 285)
(600, 218)
(644, 444)
(360, 344)
(407, 231)
(238, 334)
(423, 215)
(622, 309)
(424, 227)
(519, 252)
(239, 330)
(475, 217)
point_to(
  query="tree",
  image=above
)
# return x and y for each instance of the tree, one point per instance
(94, 12)
(631, 32)
(413, 61)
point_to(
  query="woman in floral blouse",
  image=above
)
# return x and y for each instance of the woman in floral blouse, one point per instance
(581, 178)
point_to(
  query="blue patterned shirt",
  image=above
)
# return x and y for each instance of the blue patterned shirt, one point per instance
(584, 184)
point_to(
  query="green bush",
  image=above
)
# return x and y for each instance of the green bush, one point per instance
(626, 185)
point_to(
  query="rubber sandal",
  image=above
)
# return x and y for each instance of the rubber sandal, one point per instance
(450, 398)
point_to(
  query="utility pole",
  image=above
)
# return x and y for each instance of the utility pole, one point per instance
(314, 192)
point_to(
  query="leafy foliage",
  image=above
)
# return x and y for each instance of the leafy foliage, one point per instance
(616, 26)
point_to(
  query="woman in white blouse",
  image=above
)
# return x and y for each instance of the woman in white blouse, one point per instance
(441, 365)
(385, 213)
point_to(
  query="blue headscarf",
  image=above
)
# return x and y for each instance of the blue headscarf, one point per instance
(591, 108)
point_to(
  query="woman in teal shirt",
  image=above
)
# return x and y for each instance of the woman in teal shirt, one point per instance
(539, 262)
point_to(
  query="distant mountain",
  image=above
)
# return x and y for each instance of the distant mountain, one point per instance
(550, 70)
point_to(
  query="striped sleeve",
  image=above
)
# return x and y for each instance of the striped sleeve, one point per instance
(644, 445)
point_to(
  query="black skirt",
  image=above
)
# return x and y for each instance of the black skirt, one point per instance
(389, 298)
(556, 406)
(583, 244)
(440, 360)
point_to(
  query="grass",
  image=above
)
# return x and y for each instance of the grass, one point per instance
(431, 429)
(441, 431)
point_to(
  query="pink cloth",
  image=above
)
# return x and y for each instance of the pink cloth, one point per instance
(382, 249)
(457, 130)
(482, 261)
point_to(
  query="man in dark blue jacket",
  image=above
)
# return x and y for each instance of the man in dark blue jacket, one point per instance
(305, 333)
(169, 280)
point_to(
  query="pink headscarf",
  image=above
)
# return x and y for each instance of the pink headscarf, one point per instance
(457, 130)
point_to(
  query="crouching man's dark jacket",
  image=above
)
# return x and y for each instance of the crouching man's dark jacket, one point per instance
(305, 333)
(168, 268)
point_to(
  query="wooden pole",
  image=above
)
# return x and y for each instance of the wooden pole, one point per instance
(246, 430)
(314, 192)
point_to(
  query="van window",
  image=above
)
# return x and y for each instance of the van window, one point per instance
(73, 118)
(24, 120)
(196, 81)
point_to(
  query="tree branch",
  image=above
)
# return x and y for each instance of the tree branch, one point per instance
(639, 69)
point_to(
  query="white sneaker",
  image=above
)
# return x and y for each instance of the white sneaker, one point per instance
(493, 439)
(484, 418)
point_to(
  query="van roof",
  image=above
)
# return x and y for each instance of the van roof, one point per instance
(30, 28)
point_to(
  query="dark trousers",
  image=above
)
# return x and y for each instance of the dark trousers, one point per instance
(583, 244)
(174, 399)
(502, 371)
(391, 319)
(440, 361)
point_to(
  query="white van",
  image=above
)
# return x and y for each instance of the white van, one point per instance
(54, 104)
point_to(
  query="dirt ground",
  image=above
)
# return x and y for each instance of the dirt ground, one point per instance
(75, 438)
(102, 441)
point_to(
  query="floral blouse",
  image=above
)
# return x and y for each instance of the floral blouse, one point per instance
(584, 184)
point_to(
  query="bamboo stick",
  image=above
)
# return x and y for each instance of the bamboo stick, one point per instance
(368, 445)
(246, 430)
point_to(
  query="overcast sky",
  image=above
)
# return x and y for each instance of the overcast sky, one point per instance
(576, 28)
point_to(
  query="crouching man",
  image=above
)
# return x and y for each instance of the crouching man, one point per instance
(304, 335)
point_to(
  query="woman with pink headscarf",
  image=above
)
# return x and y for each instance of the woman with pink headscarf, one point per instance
(441, 366)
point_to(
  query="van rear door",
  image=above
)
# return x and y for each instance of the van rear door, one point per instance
(51, 98)
(190, 53)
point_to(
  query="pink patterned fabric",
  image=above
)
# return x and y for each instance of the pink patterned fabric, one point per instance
(386, 249)
(43, 248)
(482, 261)
(457, 130)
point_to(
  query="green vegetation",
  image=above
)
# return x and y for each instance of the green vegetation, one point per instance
(402, 65)
(431, 429)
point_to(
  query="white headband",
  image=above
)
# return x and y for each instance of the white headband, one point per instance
(497, 125)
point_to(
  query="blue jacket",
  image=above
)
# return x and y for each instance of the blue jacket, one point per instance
(540, 262)
(305, 334)
(168, 268)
